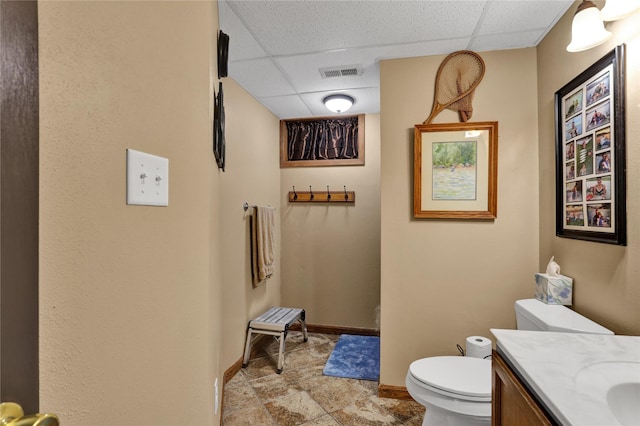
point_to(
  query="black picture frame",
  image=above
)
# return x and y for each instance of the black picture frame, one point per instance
(591, 153)
(223, 54)
(218, 128)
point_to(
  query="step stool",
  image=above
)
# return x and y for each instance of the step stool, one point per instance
(275, 322)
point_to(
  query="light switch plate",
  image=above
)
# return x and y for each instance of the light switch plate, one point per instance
(147, 179)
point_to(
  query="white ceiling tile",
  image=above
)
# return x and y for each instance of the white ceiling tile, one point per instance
(304, 71)
(260, 77)
(286, 28)
(521, 15)
(242, 44)
(304, 75)
(286, 106)
(422, 48)
(505, 41)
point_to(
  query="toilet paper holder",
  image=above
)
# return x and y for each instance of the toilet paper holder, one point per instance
(476, 347)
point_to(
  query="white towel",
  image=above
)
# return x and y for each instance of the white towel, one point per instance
(262, 243)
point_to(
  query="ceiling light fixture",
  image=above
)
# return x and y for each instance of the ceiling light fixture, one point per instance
(618, 9)
(587, 29)
(338, 103)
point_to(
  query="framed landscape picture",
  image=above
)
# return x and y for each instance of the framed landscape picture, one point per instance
(455, 171)
(590, 153)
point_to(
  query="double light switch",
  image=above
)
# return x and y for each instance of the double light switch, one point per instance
(147, 179)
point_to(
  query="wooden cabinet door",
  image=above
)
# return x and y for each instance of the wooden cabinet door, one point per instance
(512, 404)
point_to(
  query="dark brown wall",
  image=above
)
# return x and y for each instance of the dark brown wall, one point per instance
(19, 203)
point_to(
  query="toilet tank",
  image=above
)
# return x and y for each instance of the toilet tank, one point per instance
(532, 314)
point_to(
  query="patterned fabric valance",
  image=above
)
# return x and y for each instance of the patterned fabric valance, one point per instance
(326, 139)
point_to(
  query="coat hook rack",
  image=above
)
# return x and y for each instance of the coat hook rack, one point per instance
(322, 197)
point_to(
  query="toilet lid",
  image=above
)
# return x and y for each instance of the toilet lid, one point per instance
(466, 377)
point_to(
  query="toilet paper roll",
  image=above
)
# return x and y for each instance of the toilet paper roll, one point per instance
(478, 347)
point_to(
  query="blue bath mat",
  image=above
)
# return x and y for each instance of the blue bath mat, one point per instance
(355, 357)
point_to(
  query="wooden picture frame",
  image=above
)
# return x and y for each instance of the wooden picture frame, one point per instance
(590, 153)
(455, 171)
(317, 156)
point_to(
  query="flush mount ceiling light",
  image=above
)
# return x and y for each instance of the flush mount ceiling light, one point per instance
(338, 103)
(587, 29)
(618, 9)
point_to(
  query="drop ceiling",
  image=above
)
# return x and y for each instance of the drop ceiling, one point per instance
(280, 51)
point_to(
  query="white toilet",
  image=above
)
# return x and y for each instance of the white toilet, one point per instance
(456, 390)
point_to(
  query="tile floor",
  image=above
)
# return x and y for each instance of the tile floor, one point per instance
(301, 395)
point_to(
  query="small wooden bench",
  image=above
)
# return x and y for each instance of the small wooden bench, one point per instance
(275, 322)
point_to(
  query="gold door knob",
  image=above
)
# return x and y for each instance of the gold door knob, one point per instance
(11, 414)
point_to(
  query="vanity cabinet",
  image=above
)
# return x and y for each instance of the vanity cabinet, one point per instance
(511, 402)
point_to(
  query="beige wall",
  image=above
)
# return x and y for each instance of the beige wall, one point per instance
(252, 175)
(606, 277)
(134, 300)
(331, 253)
(443, 280)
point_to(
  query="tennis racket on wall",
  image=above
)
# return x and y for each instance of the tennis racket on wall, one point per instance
(457, 78)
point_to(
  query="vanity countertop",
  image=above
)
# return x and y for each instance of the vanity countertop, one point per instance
(570, 373)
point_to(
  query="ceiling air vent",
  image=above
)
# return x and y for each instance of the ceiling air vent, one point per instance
(345, 71)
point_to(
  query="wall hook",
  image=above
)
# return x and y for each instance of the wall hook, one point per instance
(332, 197)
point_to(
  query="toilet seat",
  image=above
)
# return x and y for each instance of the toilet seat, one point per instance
(463, 378)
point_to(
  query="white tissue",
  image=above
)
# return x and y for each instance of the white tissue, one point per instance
(553, 269)
(553, 288)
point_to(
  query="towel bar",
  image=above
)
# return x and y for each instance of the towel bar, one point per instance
(246, 206)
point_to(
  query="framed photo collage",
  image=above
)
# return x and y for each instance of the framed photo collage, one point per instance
(590, 154)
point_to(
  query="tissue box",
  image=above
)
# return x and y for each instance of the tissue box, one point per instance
(556, 290)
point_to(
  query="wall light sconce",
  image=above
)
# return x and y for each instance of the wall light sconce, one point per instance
(587, 29)
(338, 103)
(618, 9)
